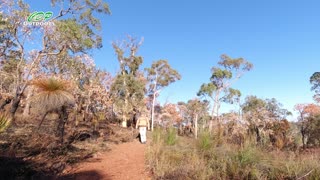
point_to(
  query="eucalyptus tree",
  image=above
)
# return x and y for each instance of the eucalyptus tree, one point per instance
(218, 89)
(128, 87)
(74, 30)
(260, 112)
(256, 114)
(159, 76)
(197, 109)
(315, 81)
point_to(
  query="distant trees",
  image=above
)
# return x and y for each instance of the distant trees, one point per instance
(219, 88)
(198, 110)
(262, 115)
(309, 115)
(170, 115)
(309, 123)
(159, 76)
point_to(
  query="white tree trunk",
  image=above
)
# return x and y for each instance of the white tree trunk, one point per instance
(212, 116)
(26, 111)
(152, 110)
(196, 127)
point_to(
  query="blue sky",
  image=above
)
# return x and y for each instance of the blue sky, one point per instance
(281, 39)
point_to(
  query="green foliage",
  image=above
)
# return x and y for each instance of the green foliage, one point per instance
(315, 81)
(232, 96)
(157, 136)
(207, 90)
(178, 161)
(128, 88)
(276, 110)
(253, 103)
(5, 121)
(76, 37)
(127, 57)
(218, 89)
(219, 76)
(205, 141)
(160, 75)
(171, 136)
(313, 130)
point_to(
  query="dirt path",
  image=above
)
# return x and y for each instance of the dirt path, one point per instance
(124, 161)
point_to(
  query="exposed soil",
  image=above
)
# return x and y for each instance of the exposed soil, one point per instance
(109, 152)
(124, 161)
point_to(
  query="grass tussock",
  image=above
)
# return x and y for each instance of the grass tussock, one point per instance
(5, 121)
(209, 157)
(171, 136)
(53, 93)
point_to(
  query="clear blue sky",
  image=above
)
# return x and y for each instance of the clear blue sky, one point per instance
(280, 37)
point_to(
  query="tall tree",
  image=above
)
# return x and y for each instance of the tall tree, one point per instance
(218, 89)
(73, 31)
(197, 109)
(128, 88)
(159, 76)
(315, 81)
(256, 115)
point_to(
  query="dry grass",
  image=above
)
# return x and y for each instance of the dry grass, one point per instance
(206, 158)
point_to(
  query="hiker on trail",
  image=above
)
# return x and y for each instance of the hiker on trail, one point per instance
(143, 124)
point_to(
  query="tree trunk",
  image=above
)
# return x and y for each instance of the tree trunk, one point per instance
(217, 107)
(43, 117)
(303, 137)
(152, 110)
(212, 117)
(4, 103)
(218, 118)
(258, 135)
(124, 121)
(14, 106)
(63, 118)
(214, 112)
(26, 111)
(196, 126)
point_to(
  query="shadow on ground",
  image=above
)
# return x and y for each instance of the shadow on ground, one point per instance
(18, 169)
(84, 175)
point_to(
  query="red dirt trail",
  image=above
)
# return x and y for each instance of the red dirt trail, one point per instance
(124, 161)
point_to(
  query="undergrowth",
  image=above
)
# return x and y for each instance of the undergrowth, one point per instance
(209, 157)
